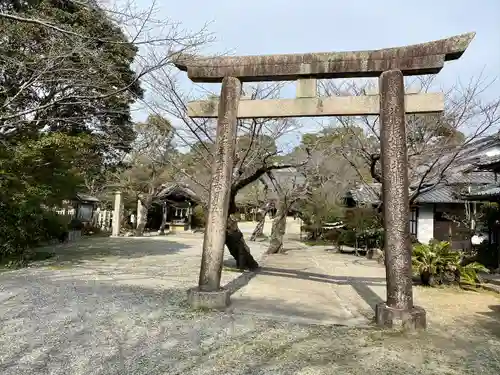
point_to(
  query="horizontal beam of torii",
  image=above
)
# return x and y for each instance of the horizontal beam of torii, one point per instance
(417, 59)
(316, 107)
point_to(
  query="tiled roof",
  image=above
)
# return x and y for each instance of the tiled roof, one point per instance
(459, 173)
(490, 191)
(366, 193)
(444, 193)
(490, 159)
(463, 174)
(488, 162)
(180, 189)
(86, 198)
(440, 194)
(484, 192)
(460, 161)
(471, 178)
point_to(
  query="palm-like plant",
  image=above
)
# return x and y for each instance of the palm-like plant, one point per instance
(437, 263)
(426, 260)
(469, 274)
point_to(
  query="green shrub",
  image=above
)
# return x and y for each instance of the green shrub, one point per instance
(488, 254)
(363, 228)
(75, 224)
(373, 238)
(437, 263)
(199, 217)
(332, 235)
(347, 237)
(90, 230)
(315, 212)
(414, 240)
(23, 226)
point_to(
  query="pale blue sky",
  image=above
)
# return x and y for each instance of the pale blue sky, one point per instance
(294, 26)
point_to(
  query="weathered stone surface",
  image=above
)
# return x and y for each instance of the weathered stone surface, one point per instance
(142, 217)
(410, 319)
(307, 88)
(220, 188)
(217, 300)
(425, 58)
(117, 214)
(395, 190)
(311, 107)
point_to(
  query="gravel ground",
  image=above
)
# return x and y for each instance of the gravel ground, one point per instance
(118, 307)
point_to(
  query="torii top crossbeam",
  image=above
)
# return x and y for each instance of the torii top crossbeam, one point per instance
(417, 59)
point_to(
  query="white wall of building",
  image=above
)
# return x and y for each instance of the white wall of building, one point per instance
(292, 226)
(494, 151)
(425, 226)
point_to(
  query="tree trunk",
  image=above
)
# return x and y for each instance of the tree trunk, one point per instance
(142, 216)
(259, 229)
(278, 231)
(163, 218)
(237, 246)
(356, 244)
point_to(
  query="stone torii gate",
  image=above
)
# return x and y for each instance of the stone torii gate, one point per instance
(390, 65)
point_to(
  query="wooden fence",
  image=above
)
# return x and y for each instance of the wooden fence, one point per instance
(100, 218)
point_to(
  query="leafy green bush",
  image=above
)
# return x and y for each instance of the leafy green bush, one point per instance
(76, 224)
(90, 230)
(363, 228)
(315, 212)
(370, 238)
(37, 171)
(488, 254)
(332, 235)
(347, 237)
(437, 263)
(199, 217)
(22, 227)
(373, 238)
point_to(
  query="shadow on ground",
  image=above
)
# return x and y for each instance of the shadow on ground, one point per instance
(59, 324)
(103, 247)
(62, 327)
(360, 284)
(490, 320)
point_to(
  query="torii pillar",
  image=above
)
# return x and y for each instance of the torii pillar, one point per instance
(117, 214)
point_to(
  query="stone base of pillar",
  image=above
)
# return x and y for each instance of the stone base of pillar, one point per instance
(408, 320)
(217, 300)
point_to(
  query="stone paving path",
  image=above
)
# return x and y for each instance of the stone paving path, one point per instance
(315, 285)
(312, 285)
